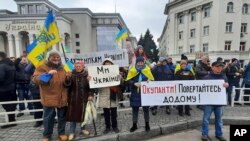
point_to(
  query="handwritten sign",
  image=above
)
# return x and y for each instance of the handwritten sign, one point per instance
(104, 76)
(192, 92)
(119, 57)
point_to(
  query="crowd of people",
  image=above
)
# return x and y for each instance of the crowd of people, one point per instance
(67, 93)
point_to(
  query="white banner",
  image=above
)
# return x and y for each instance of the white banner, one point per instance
(119, 57)
(104, 76)
(190, 92)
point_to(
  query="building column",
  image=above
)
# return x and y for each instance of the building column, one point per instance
(31, 38)
(11, 46)
(18, 44)
(198, 46)
(186, 31)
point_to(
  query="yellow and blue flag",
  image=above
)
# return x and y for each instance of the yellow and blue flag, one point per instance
(123, 34)
(47, 37)
(68, 66)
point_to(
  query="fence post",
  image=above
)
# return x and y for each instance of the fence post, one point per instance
(232, 96)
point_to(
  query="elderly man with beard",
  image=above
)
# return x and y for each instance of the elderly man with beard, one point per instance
(50, 77)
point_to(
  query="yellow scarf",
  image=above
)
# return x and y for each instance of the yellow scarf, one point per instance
(133, 72)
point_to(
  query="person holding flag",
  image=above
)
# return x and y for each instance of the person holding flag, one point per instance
(54, 94)
(50, 77)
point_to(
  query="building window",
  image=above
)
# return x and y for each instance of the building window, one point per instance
(207, 12)
(245, 9)
(78, 51)
(181, 19)
(193, 16)
(77, 35)
(229, 27)
(242, 46)
(31, 9)
(105, 38)
(192, 49)
(228, 45)
(180, 35)
(230, 7)
(180, 50)
(22, 9)
(243, 27)
(205, 47)
(39, 9)
(206, 30)
(192, 33)
(78, 44)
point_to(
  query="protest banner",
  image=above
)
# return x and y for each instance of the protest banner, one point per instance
(190, 92)
(104, 76)
(119, 57)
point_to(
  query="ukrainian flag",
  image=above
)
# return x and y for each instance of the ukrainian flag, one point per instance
(68, 66)
(48, 36)
(123, 34)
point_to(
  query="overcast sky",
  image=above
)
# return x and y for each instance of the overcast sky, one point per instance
(137, 14)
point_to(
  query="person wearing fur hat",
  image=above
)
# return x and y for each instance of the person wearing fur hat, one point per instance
(184, 74)
(108, 100)
(50, 77)
(79, 95)
(138, 73)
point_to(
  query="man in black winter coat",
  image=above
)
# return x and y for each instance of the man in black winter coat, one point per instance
(7, 86)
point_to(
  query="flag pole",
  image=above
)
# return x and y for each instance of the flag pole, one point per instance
(64, 54)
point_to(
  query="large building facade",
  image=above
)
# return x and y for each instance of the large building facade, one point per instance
(218, 28)
(81, 30)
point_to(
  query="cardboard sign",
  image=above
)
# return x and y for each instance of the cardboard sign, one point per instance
(104, 76)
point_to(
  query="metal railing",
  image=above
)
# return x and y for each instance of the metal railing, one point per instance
(241, 96)
(96, 101)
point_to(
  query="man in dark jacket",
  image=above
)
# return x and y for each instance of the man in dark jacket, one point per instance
(201, 70)
(35, 94)
(22, 85)
(217, 109)
(162, 73)
(234, 75)
(170, 64)
(7, 86)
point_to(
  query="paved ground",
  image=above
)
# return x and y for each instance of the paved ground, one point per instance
(191, 135)
(26, 132)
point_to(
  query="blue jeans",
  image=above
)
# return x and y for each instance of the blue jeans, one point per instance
(73, 127)
(48, 120)
(208, 110)
(230, 90)
(23, 93)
